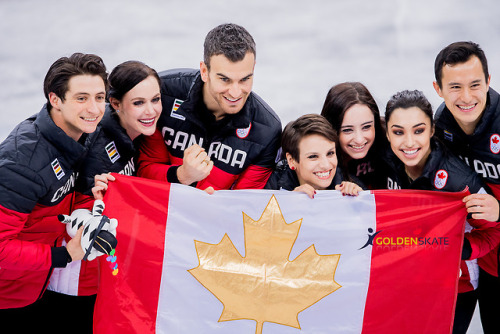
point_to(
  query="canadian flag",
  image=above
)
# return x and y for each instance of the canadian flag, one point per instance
(261, 261)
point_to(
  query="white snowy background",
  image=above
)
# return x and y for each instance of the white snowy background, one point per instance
(303, 47)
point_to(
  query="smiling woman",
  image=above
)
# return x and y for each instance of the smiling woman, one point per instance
(310, 158)
(357, 131)
(139, 108)
(316, 162)
(134, 108)
(419, 161)
(409, 129)
(354, 114)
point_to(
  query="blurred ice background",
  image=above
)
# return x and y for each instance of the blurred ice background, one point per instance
(303, 47)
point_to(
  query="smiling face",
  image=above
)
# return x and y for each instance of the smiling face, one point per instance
(357, 132)
(409, 132)
(227, 84)
(464, 90)
(83, 105)
(317, 161)
(140, 108)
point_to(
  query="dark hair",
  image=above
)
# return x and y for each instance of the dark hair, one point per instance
(339, 99)
(126, 76)
(305, 125)
(407, 99)
(62, 70)
(229, 39)
(457, 53)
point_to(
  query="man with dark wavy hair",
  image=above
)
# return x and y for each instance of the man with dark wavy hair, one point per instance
(218, 133)
(38, 167)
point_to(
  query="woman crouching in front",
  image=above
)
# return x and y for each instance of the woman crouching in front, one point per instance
(309, 158)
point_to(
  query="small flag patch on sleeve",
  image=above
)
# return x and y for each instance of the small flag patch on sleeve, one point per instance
(175, 106)
(56, 167)
(112, 152)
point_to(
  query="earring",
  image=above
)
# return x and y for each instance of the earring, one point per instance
(292, 167)
(117, 110)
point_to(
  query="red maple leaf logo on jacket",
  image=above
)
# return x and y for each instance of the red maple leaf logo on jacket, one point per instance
(440, 179)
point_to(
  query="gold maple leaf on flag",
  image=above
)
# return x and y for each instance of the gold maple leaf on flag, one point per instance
(264, 285)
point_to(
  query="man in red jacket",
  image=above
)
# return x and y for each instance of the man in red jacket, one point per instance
(39, 162)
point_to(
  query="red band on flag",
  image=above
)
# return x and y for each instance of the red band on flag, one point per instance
(424, 256)
(131, 296)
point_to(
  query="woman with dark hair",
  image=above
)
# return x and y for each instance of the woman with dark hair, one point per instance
(309, 158)
(133, 110)
(419, 161)
(353, 113)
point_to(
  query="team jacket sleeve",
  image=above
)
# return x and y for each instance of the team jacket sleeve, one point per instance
(83, 201)
(485, 235)
(19, 190)
(256, 175)
(494, 189)
(154, 159)
(483, 238)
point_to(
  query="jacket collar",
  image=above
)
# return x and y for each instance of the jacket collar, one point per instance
(486, 118)
(110, 124)
(240, 120)
(435, 158)
(71, 150)
(489, 112)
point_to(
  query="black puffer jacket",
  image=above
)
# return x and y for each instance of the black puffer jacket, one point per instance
(242, 146)
(481, 150)
(38, 168)
(112, 151)
(444, 171)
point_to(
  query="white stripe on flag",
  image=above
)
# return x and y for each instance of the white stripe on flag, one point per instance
(186, 306)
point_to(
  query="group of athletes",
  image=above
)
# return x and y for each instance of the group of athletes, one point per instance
(206, 128)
